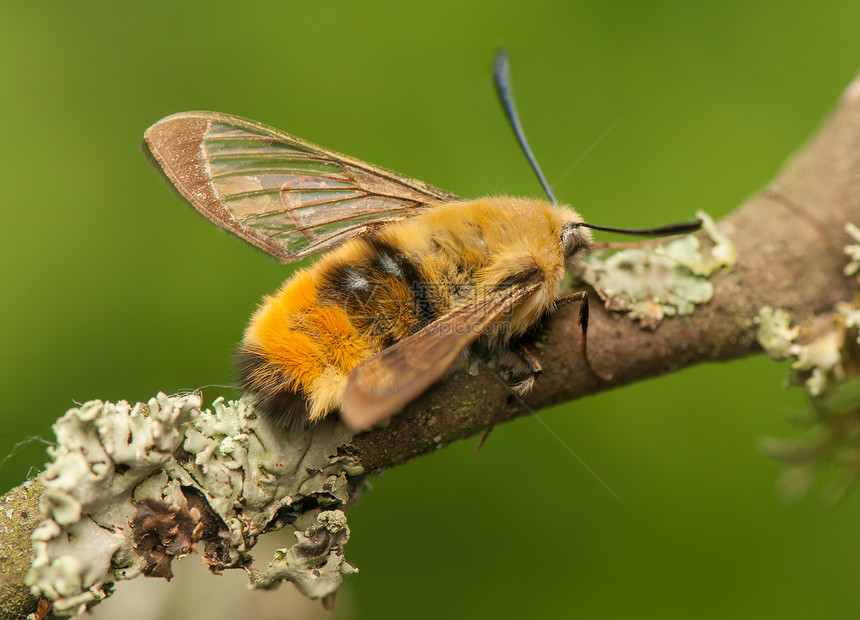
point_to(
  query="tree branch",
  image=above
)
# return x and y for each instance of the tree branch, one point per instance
(789, 239)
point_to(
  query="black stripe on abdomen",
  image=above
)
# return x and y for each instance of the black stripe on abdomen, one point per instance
(353, 285)
(397, 264)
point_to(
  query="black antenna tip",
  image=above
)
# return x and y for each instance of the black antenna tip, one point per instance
(660, 231)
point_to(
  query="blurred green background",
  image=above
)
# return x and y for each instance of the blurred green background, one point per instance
(114, 289)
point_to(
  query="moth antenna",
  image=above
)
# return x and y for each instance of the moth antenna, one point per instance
(502, 78)
(671, 229)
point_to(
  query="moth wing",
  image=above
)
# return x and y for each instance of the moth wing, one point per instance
(386, 382)
(280, 193)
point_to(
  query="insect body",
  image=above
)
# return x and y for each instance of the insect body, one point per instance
(419, 275)
(488, 267)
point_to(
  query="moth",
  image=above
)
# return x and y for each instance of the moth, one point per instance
(412, 275)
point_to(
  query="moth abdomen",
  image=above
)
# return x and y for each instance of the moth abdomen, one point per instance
(305, 339)
(273, 395)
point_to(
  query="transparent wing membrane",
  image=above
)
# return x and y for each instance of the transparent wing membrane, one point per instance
(287, 196)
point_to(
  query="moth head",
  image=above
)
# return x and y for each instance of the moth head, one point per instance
(575, 238)
(575, 241)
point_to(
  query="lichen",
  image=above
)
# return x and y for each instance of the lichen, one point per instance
(825, 356)
(819, 363)
(315, 563)
(103, 452)
(659, 280)
(250, 470)
(131, 487)
(774, 332)
(826, 366)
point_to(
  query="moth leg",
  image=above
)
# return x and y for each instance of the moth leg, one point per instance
(583, 324)
(527, 363)
(483, 438)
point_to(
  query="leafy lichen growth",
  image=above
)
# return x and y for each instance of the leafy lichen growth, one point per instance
(819, 363)
(774, 332)
(824, 357)
(103, 452)
(659, 280)
(132, 487)
(315, 564)
(826, 365)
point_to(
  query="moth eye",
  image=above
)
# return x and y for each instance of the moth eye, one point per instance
(571, 241)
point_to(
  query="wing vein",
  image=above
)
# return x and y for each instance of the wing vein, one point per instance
(317, 174)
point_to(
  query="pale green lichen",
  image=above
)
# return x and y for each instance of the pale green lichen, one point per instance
(87, 502)
(774, 332)
(819, 363)
(112, 459)
(315, 564)
(238, 456)
(659, 280)
(826, 359)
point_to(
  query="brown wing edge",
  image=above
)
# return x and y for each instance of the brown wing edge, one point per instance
(174, 142)
(361, 409)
